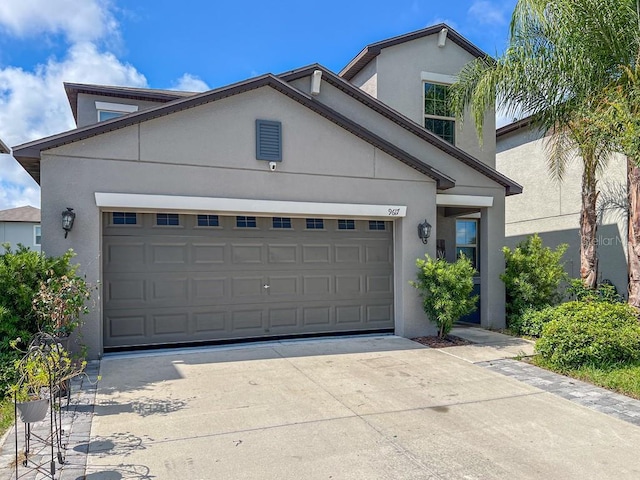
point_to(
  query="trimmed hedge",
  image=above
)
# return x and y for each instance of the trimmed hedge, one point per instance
(590, 333)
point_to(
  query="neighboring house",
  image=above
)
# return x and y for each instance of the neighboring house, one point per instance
(21, 226)
(279, 206)
(552, 209)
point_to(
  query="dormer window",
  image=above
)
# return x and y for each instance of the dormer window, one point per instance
(437, 114)
(107, 110)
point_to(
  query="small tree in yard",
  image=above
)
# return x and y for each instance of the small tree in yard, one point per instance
(446, 290)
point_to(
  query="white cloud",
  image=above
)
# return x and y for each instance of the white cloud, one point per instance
(191, 83)
(488, 13)
(78, 20)
(33, 103)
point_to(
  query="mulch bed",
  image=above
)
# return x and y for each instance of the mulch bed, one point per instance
(437, 342)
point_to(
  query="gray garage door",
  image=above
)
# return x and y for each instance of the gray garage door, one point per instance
(172, 278)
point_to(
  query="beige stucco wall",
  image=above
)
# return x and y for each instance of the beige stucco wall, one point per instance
(399, 84)
(210, 151)
(552, 208)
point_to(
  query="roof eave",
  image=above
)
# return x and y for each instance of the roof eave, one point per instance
(373, 50)
(4, 148)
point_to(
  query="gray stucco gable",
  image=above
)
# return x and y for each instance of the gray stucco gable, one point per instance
(28, 154)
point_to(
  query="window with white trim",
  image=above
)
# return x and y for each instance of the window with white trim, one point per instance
(438, 117)
(208, 221)
(124, 218)
(37, 234)
(108, 110)
(167, 219)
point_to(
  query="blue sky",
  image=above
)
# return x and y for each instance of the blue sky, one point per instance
(190, 45)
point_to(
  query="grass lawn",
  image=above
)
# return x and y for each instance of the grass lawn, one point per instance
(6, 415)
(623, 379)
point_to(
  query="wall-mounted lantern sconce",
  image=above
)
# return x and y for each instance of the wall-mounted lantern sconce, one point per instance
(424, 231)
(68, 216)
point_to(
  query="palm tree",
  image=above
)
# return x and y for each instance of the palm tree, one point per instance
(562, 56)
(622, 117)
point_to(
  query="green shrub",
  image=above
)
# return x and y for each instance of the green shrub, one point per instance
(446, 290)
(21, 274)
(590, 333)
(531, 321)
(532, 276)
(604, 292)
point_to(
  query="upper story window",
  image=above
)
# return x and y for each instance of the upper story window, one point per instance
(37, 234)
(437, 115)
(108, 110)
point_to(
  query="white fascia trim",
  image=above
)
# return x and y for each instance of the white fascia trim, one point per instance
(116, 107)
(445, 200)
(438, 78)
(239, 206)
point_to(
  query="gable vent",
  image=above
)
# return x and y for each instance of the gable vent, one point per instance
(269, 140)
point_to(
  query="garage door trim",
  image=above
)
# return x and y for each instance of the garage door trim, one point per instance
(187, 204)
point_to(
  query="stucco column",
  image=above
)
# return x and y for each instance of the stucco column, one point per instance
(492, 308)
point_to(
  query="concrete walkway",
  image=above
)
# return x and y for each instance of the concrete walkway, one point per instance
(350, 408)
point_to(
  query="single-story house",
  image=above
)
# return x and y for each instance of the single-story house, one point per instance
(21, 225)
(552, 209)
(282, 205)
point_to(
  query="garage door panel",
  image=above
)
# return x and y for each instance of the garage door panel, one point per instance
(209, 254)
(192, 284)
(170, 324)
(312, 316)
(124, 255)
(173, 254)
(283, 285)
(206, 322)
(247, 320)
(349, 285)
(379, 313)
(125, 291)
(175, 290)
(349, 254)
(379, 284)
(207, 289)
(349, 314)
(247, 254)
(316, 285)
(283, 318)
(126, 326)
(380, 253)
(316, 254)
(283, 254)
(247, 286)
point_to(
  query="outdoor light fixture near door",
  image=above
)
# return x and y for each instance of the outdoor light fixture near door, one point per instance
(68, 217)
(424, 231)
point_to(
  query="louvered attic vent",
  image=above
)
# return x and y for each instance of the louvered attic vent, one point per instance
(269, 140)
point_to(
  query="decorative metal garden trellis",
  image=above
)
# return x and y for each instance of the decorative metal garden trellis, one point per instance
(41, 377)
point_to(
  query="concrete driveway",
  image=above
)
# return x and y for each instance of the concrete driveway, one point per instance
(356, 408)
